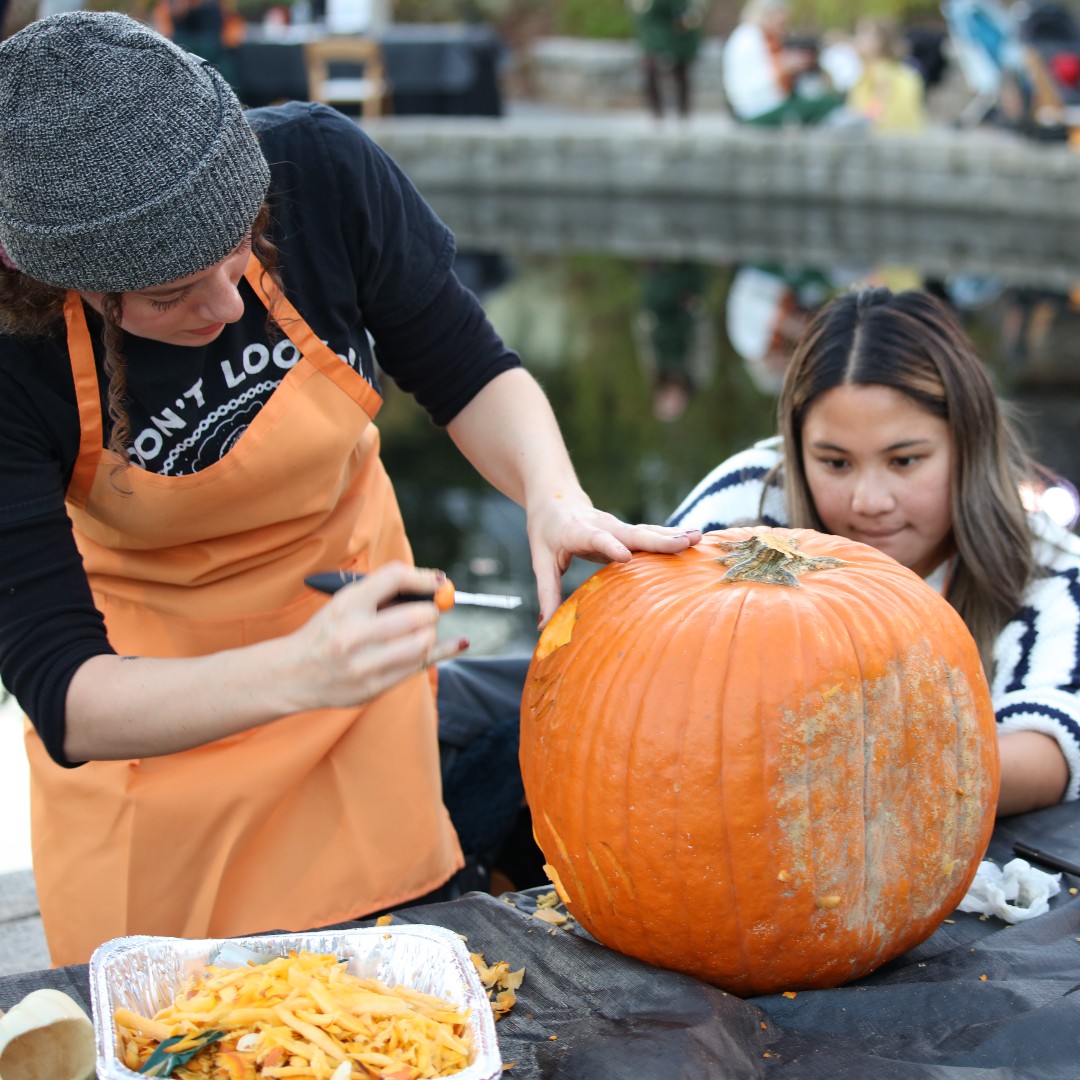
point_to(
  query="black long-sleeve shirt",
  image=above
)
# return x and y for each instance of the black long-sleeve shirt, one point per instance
(363, 259)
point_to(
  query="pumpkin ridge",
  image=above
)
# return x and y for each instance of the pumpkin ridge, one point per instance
(601, 877)
(677, 826)
(950, 832)
(873, 626)
(817, 869)
(590, 743)
(732, 870)
(640, 773)
(865, 884)
(679, 811)
(967, 745)
(870, 889)
(629, 867)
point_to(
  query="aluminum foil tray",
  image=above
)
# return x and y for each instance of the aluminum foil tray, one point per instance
(144, 974)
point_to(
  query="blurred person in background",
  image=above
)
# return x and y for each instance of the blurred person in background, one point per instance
(889, 92)
(671, 33)
(671, 326)
(767, 81)
(768, 308)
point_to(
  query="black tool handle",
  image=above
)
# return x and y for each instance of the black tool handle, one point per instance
(1055, 862)
(332, 580)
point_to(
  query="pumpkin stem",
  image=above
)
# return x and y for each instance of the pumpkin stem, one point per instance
(771, 559)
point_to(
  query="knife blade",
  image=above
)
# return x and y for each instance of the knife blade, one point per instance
(446, 596)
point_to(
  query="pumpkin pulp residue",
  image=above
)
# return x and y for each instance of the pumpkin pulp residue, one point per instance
(560, 629)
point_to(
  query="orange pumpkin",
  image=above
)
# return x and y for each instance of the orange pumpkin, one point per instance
(769, 761)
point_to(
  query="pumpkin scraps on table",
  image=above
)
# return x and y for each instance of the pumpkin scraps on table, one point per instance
(302, 1016)
(500, 983)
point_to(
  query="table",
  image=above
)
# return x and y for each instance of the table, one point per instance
(445, 70)
(586, 1013)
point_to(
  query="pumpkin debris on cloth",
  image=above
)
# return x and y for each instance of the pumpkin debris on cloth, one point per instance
(304, 1015)
(755, 780)
(552, 900)
(550, 916)
(498, 977)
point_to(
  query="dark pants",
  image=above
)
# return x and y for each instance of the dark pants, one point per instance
(680, 76)
(479, 720)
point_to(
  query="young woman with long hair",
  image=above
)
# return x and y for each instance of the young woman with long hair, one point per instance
(891, 433)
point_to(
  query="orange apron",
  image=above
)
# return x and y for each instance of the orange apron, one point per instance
(312, 819)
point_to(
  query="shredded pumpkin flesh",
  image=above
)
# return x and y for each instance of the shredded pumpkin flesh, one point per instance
(303, 1016)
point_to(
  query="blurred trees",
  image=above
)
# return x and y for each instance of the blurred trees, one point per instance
(614, 18)
(575, 18)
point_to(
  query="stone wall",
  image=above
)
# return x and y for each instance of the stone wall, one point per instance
(588, 74)
(985, 172)
(578, 164)
(1037, 254)
(980, 202)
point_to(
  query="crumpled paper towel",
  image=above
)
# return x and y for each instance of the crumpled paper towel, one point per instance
(1013, 892)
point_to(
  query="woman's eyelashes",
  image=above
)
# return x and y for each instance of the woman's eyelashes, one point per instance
(166, 305)
(833, 464)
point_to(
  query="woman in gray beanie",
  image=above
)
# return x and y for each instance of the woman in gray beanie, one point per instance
(186, 398)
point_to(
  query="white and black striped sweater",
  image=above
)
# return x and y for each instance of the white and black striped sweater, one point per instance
(1036, 682)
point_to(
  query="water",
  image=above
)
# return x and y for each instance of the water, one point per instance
(596, 327)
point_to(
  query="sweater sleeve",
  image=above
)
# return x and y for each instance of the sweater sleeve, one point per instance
(365, 255)
(1036, 684)
(732, 494)
(749, 73)
(49, 624)
(446, 354)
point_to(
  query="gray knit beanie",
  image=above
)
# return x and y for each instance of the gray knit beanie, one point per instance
(125, 162)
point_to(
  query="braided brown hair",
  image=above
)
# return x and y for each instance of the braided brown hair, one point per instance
(30, 309)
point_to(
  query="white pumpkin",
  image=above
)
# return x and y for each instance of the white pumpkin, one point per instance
(47, 1036)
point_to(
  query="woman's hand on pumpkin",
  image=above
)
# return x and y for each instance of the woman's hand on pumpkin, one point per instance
(562, 527)
(363, 643)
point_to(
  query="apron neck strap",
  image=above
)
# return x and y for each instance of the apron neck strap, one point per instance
(303, 337)
(87, 397)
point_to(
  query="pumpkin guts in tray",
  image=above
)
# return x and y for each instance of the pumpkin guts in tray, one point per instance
(306, 1015)
(372, 1003)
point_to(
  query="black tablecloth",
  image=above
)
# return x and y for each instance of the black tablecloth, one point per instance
(587, 1013)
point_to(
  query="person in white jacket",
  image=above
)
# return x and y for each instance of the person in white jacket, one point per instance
(761, 72)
